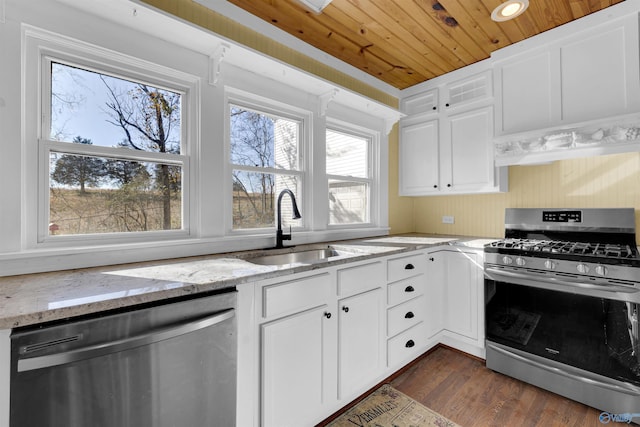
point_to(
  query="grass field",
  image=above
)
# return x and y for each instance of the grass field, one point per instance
(109, 211)
(113, 211)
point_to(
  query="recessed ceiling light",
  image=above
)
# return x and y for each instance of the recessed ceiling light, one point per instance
(509, 10)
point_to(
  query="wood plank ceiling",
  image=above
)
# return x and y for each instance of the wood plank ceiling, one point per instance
(406, 42)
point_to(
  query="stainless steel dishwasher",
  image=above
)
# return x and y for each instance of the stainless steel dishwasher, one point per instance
(171, 365)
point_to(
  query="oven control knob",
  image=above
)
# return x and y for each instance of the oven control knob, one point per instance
(582, 268)
(549, 265)
(601, 270)
(520, 261)
(507, 260)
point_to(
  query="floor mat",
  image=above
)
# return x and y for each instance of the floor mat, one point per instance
(387, 407)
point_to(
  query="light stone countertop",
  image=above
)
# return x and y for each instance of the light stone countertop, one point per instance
(37, 298)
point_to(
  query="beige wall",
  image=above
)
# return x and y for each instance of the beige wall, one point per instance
(603, 181)
(400, 208)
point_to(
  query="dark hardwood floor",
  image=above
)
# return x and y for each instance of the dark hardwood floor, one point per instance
(462, 389)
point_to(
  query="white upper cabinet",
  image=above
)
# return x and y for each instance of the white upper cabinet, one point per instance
(419, 158)
(451, 151)
(599, 72)
(476, 87)
(588, 75)
(525, 93)
(420, 103)
(470, 168)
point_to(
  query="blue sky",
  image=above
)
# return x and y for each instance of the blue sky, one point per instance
(87, 116)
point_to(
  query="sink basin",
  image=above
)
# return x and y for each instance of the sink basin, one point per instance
(303, 257)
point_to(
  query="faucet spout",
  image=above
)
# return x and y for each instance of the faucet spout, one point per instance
(296, 215)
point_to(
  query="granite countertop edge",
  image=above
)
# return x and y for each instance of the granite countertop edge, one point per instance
(38, 298)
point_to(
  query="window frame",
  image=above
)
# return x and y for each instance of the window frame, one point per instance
(373, 172)
(271, 107)
(43, 49)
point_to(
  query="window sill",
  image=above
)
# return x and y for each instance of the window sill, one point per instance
(55, 259)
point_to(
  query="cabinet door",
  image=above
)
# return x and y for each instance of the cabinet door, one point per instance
(467, 90)
(434, 293)
(295, 352)
(461, 293)
(471, 166)
(419, 153)
(599, 72)
(360, 342)
(525, 89)
(421, 103)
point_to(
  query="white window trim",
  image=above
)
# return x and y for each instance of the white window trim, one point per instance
(373, 179)
(63, 29)
(45, 147)
(40, 47)
(258, 103)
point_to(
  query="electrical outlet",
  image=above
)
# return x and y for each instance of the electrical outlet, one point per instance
(447, 219)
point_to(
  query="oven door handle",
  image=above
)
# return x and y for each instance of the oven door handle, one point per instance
(631, 390)
(494, 274)
(96, 350)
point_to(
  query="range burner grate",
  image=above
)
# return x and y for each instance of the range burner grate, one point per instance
(571, 248)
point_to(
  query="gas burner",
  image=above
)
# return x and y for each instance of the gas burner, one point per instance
(552, 247)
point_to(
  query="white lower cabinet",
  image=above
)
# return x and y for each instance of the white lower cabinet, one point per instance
(360, 341)
(297, 337)
(406, 309)
(294, 351)
(320, 339)
(406, 346)
(461, 280)
(321, 342)
(435, 288)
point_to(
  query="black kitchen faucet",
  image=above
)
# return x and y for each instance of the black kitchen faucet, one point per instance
(296, 215)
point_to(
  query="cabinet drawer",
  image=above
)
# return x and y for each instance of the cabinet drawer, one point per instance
(407, 345)
(409, 266)
(296, 295)
(405, 315)
(405, 289)
(360, 278)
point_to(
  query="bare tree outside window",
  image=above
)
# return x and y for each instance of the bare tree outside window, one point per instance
(264, 148)
(91, 193)
(147, 115)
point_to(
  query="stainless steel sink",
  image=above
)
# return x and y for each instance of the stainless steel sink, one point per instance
(309, 256)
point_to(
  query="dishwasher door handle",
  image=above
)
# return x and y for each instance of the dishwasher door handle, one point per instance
(97, 350)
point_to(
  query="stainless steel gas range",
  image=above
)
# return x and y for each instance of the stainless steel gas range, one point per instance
(562, 300)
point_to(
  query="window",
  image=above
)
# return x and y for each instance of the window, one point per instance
(265, 159)
(349, 176)
(114, 148)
